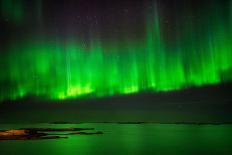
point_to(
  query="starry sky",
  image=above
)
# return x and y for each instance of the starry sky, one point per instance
(72, 49)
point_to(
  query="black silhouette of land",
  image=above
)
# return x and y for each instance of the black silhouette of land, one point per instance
(208, 104)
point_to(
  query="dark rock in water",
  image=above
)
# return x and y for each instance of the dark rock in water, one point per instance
(41, 133)
(29, 137)
(25, 135)
(86, 133)
(56, 129)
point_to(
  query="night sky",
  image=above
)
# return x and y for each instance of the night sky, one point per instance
(101, 51)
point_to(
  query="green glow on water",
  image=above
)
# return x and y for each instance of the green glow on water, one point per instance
(200, 54)
(128, 139)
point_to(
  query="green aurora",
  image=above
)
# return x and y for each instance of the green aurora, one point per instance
(198, 54)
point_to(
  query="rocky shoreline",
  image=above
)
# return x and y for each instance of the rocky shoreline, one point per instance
(43, 133)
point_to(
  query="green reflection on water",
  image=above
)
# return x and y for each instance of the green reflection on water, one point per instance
(130, 139)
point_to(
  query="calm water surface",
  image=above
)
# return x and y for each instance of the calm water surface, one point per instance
(124, 139)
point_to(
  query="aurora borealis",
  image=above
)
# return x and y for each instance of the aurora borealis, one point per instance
(152, 49)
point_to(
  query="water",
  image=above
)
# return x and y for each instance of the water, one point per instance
(124, 139)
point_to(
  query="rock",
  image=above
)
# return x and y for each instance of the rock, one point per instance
(13, 132)
(88, 133)
(56, 129)
(41, 133)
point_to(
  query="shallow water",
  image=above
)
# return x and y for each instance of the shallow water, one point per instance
(134, 139)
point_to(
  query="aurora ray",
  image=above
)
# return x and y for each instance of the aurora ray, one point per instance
(198, 54)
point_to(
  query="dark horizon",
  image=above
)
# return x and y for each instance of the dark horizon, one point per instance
(211, 104)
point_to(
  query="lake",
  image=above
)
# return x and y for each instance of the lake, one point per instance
(126, 139)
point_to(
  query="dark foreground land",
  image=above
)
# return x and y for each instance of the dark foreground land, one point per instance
(210, 104)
